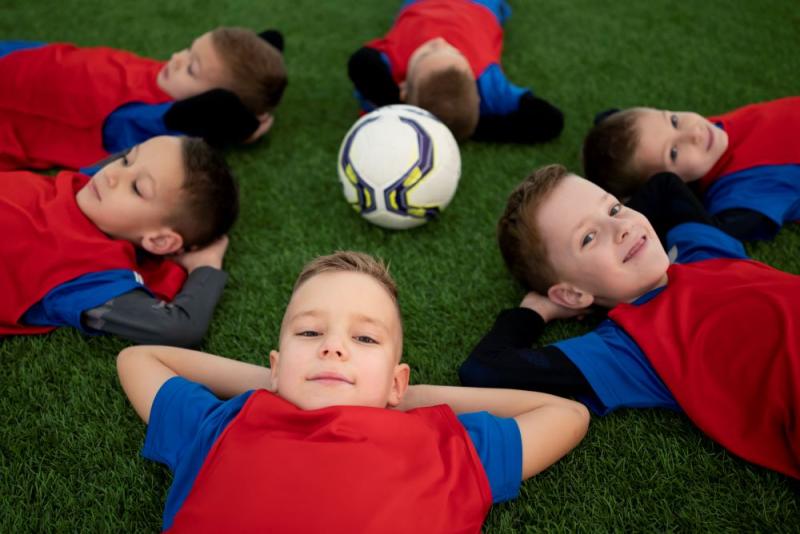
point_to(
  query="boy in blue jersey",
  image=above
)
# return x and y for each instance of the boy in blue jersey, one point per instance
(744, 164)
(444, 56)
(67, 106)
(111, 253)
(678, 335)
(340, 432)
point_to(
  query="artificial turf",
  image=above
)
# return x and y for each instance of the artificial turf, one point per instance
(69, 441)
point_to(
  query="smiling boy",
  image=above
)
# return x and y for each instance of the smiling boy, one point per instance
(66, 106)
(444, 56)
(744, 163)
(90, 253)
(713, 334)
(333, 425)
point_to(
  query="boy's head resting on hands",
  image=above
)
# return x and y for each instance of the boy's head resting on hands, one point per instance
(164, 195)
(236, 59)
(627, 147)
(341, 338)
(439, 79)
(567, 239)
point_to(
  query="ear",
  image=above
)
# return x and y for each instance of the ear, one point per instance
(569, 296)
(162, 242)
(274, 358)
(400, 378)
(403, 90)
(265, 121)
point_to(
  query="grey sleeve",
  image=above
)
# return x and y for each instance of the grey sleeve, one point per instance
(145, 319)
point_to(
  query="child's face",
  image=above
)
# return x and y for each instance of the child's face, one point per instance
(432, 56)
(340, 345)
(677, 141)
(192, 71)
(132, 197)
(605, 251)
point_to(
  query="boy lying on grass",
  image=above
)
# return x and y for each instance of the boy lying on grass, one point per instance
(745, 164)
(66, 106)
(332, 438)
(91, 253)
(713, 334)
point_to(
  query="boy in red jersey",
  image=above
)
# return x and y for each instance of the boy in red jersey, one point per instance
(333, 425)
(65, 106)
(444, 56)
(702, 329)
(91, 252)
(745, 164)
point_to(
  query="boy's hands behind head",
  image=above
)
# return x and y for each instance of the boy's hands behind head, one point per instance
(209, 256)
(548, 309)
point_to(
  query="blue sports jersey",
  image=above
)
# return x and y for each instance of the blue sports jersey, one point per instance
(618, 371)
(186, 419)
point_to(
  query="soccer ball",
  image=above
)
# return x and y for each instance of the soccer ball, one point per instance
(399, 166)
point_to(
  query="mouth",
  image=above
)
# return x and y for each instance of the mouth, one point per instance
(635, 249)
(710, 138)
(330, 378)
(93, 188)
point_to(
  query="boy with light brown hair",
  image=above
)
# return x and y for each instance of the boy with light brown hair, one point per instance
(66, 106)
(679, 335)
(331, 437)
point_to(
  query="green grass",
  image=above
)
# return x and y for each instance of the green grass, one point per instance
(68, 440)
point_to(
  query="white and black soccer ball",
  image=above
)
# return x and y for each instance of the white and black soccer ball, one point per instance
(399, 166)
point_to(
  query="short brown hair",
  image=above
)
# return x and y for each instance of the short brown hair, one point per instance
(521, 242)
(608, 152)
(351, 262)
(209, 203)
(452, 95)
(256, 69)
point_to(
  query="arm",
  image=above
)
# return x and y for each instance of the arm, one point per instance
(534, 121)
(142, 318)
(218, 116)
(144, 369)
(504, 357)
(549, 426)
(372, 78)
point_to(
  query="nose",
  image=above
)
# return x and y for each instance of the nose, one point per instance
(622, 230)
(332, 347)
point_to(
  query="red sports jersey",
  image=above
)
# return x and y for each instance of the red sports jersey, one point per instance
(47, 240)
(767, 133)
(277, 468)
(54, 100)
(472, 28)
(724, 336)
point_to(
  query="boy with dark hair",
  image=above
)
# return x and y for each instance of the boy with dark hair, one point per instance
(444, 56)
(64, 106)
(92, 252)
(745, 163)
(713, 334)
(333, 425)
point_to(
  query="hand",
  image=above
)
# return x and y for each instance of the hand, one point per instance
(548, 309)
(265, 121)
(208, 256)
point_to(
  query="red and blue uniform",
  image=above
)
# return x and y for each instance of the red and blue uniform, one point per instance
(707, 343)
(760, 170)
(257, 462)
(59, 263)
(64, 106)
(474, 27)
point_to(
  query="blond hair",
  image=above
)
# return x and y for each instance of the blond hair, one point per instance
(351, 262)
